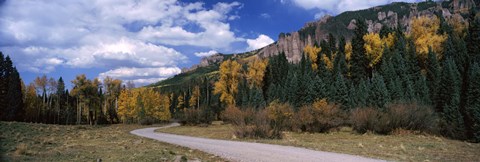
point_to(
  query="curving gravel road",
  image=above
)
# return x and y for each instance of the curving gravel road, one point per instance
(246, 151)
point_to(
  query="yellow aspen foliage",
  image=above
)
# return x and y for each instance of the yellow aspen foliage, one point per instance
(328, 61)
(162, 111)
(181, 102)
(227, 84)
(256, 72)
(424, 34)
(195, 98)
(312, 53)
(389, 40)
(373, 47)
(126, 105)
(348, 51)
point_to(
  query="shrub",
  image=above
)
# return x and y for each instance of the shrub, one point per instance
(364, 119)
(320, 117)
(280, 116)
(147, 121)
(197, 116)
(396, 116)
(233, 115)
(260, 128)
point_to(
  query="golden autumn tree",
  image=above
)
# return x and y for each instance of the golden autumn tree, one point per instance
(227, 84)
(162, 111)
(373, 47)
(126, 105)
(194, 101)
(348, 51)
(181, 102)
(256, 72)
(328, 61)
(312, 53)
(424, 34)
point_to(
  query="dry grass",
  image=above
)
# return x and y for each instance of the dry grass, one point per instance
(402, 147)
(41, 142)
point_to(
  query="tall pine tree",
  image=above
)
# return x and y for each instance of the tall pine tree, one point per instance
(358, 60)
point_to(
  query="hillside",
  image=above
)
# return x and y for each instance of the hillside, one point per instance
(292, 44)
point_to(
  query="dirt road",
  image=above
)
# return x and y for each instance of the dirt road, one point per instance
(246, 151)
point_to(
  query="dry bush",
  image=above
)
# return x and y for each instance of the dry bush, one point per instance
(364, 119)
(197, 116)
(411, 117)
(233, 115)
(280, 116)
(259, 129)
(320, 117)
(147, 121)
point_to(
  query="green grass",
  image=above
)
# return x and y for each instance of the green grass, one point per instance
(402, 147)
(42, 142)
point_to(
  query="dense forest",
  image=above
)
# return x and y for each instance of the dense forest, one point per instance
(424, 80)
(427, 80)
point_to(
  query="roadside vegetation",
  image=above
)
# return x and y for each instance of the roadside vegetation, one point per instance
(43, 142)
(401, 145)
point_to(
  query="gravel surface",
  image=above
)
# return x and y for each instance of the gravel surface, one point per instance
(246, 151)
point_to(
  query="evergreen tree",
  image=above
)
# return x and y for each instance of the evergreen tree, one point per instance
(320, 88)
(473, 36)
(256, 98)
(473, 104)
(340, 91)
(3, 85)
(422, 91)
(332, 43)
(362, 93)
(340, 62)
(60, 103)
(15, 106)
(433, 75)
(378, 96)
(448, 101)
(358, 59)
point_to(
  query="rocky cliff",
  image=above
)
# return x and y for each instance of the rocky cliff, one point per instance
(392, 15)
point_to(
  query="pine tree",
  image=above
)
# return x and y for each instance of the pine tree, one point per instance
(3, 85)
(433, 75)
(340, 62)
(473, 104)
(422, 91)
(15, 106)
(340, 91)
(473, 36)
(358, 60)
(60, 103)
(319, 88)
(362, 93)
(378, 96)
(448, 101)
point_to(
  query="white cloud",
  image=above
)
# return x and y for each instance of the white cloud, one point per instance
(338, 6)
(265, 15)
(205, 54)
(260, 42)
(127, 72)
(112, 34)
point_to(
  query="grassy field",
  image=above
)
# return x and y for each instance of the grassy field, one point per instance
(402, 147)
(41, 142)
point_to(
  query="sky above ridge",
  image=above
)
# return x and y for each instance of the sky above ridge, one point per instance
(146, 41)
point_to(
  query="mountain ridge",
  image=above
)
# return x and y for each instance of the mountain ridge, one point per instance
(292, 44)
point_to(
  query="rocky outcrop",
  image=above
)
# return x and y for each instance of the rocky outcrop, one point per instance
(206, 61)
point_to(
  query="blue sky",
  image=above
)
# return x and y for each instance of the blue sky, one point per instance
(145, 40)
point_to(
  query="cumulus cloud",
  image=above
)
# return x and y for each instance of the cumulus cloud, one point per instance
(259, 42)
(112, 34)
(205, 54)
(141, 76)
(335, 7)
